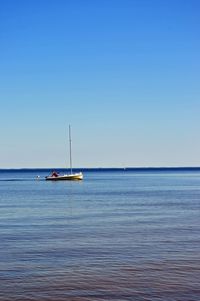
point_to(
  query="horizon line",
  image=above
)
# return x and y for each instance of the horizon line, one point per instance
(99, 167)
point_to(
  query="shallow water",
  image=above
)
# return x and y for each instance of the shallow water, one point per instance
(117, 235)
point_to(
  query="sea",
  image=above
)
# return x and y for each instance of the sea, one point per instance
(120, 234)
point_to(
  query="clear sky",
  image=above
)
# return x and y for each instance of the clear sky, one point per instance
(124, 73)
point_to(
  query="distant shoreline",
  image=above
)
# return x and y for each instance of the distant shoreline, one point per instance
(105, 169)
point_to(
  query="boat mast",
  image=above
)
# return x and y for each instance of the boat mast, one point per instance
(70, 149)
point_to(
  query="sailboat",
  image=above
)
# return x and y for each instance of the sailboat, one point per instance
(55, 176)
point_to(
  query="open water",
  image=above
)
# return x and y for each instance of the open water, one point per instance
(117, 235)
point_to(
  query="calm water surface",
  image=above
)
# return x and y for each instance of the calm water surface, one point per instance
(117, 235)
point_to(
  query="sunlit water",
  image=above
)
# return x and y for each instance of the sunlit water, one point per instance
(117, 235)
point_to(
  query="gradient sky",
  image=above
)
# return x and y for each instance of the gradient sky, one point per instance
(125, 74)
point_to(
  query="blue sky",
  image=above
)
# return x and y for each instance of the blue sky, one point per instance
(124, 74)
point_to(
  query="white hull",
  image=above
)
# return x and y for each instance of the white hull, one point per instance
(69, 177)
